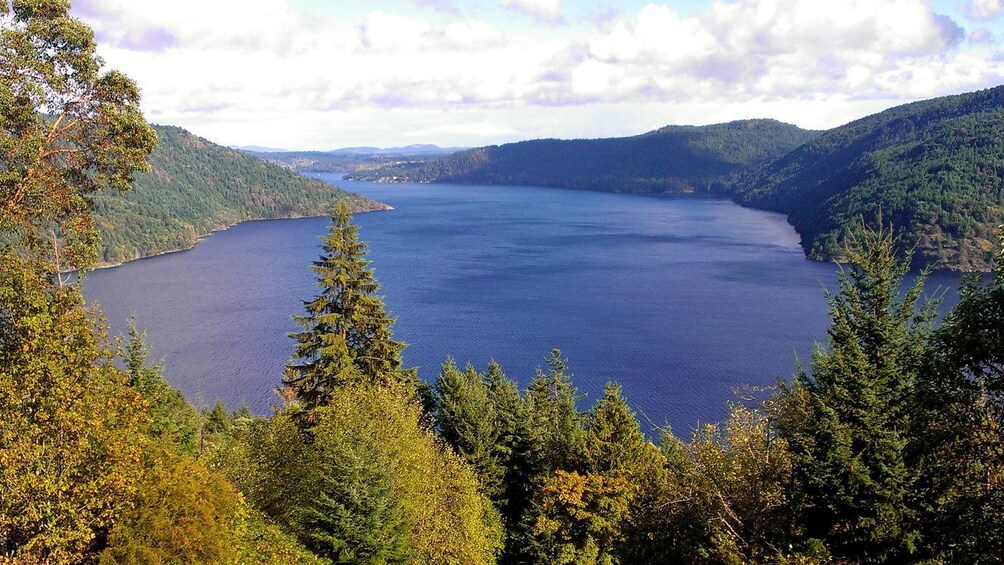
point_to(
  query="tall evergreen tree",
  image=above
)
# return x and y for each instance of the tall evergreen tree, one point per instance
(466, 420)
(960, 426)
(553, 416)
(346, 335)
(582, 514)
(848, 422)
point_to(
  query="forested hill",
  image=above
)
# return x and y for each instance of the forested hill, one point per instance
(196, 187)
(934, 169)
(671, 159)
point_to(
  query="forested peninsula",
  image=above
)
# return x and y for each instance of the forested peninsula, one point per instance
(670, 159)
(933, 170)
(196, 187)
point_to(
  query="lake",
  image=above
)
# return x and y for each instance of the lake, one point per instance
(680, 299)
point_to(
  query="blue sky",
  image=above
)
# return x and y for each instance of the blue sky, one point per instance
(321, 74)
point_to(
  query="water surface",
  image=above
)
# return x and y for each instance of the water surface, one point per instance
(680, 299)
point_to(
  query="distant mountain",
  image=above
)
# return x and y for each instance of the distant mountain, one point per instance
(259, 149)
(417, 149)
(197, 187)
(671, 159)
(350, 159)
(933, 169)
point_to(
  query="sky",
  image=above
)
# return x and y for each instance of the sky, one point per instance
(324, 74)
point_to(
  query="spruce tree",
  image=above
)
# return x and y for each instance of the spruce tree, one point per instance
(553, 416)
(960, 426)
(466, 421)
(346, 334)
(848, 422)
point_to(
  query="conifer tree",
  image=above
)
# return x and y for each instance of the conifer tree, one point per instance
(173, 421)
(613, 437)
(466, 420)
(960, 426)
(848, 422)
(553, 416)
(582, 513)
(346, 334)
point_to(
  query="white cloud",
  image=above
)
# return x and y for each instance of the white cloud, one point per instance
(549, 10)
(256, 67)
(385, 31)
(783, 48)
(984, 9)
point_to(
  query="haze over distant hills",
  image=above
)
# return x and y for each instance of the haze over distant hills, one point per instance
(349, 159)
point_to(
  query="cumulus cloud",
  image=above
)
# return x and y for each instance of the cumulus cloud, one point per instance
(984, 9)
(981, 35)
(270, 62)
(762, 48)
(548, 10)
(444, 6)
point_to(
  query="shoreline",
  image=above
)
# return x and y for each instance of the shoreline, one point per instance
(101, 266)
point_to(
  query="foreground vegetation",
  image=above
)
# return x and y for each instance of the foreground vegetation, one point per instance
(889, 449)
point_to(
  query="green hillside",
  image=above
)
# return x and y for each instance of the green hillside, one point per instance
(934, 169)
(671, 159)
(196, 187)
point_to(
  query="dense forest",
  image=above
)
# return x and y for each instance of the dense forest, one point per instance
(670, 159)
(933, 169)
(196, 187)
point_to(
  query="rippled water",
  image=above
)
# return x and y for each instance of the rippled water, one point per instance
(678, 298)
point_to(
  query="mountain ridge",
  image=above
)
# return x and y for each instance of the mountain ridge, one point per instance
(196, 187)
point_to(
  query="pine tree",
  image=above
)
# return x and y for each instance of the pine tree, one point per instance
(173, 421)
(582, 513)
(465, 419)
(553, 416)
(848, 422)
(960, 426)
(346, 335)
(613, 437)
(218, 420)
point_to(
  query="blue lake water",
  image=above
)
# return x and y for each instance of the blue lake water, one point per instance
(680, 299)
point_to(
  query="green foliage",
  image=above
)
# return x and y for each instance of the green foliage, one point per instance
(369, 484)
(218, 420)
(932, 169)
(553, 417)
(71, 429)
(466, 419)
(196, 187)
(959, 426)
(581, 514)
(173, 421)
(183, 514)
(270, 464)
(671, 159)
(848, 423)
(346, 336)
(67, 130)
